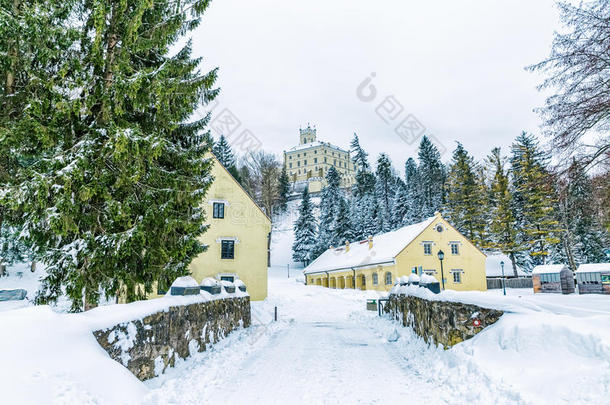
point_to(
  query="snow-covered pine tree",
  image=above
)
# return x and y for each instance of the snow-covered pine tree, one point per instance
(385, 189)
(466, 201)
(534, 200)
(343, 226)
(329, 205)
(222, 151)
(36, 47)
(371, 216)
(359, 156)
(431, 179)
(283, 190)
(124, 174)
(303, 248)
(502, 224)
(583, 238)
(401, 205)
(413, 214)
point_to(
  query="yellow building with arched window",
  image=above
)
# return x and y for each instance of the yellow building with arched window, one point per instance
(376, 262)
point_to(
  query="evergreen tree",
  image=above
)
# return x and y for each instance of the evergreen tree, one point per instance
(283, 190)
(122, 169)
(36, 40)
(371, 216)
(224, 154)
(329, 206)
(385, 182)
(343, 227)
(502, 227)
(303, 248)
(401, 205)
(413, 213)
(466, 201)
(360, 157)
(431, 179)
(582, 236)
(534, 200)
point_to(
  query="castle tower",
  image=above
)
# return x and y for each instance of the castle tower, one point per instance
(308, 135)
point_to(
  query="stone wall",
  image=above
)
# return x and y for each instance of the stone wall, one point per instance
(440, 322)
(149, 345)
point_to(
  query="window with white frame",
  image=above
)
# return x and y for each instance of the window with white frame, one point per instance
(388, 278)
(428, 248)
(457, 276)
(218, 210)
(375, 279)
(227, 249)
(455, 248)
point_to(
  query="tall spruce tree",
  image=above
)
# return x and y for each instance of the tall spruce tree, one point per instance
(36, 93)
(502, 224)
(329, 206)
(411, 183)
(303, 248)
(583, 237)
(534, 200)
(343, 226)
(283, 190)
(401, 205)
(359, 156)
(123, 170)
(385, 188)
(466, 200)
(224, 154)
(431, 179)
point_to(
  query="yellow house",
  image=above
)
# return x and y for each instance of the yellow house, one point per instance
(308, 163)
(377, 262)
(237, 238)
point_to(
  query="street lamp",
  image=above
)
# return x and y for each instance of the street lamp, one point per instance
(441, 256)
(503, 282)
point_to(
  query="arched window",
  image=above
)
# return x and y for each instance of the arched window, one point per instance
(375, 279)
(388, 278)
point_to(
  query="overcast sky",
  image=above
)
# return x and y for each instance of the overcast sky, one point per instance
(457, 67)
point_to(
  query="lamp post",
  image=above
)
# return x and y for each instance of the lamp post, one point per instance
(441, 256)
(503, 282)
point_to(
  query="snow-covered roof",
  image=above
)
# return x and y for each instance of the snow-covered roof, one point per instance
(548, 268)
(386, 247)
(313, 145)
(493, 268)
(593, 268)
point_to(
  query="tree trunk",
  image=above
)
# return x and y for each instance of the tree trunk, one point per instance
(33, 266)
(512, 259)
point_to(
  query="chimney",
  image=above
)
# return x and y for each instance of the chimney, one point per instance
(346, 246)
(370, 242)
(331, 247)
(437, 214)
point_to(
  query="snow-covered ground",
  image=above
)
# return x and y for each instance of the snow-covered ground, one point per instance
(325, 348)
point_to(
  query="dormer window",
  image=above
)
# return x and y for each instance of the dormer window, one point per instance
(218, 210)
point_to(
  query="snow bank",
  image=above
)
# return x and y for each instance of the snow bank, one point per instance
(48, 355)
(186, 281)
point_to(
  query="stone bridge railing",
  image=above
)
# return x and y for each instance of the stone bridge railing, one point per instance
(440, 322)
(149, 345)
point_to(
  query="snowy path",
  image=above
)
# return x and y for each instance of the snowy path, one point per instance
(318, 353)
(327, 349)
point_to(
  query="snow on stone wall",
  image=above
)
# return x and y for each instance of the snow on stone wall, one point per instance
(444, 323)
(149, 345)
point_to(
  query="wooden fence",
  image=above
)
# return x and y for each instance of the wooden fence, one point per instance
(520, 282)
